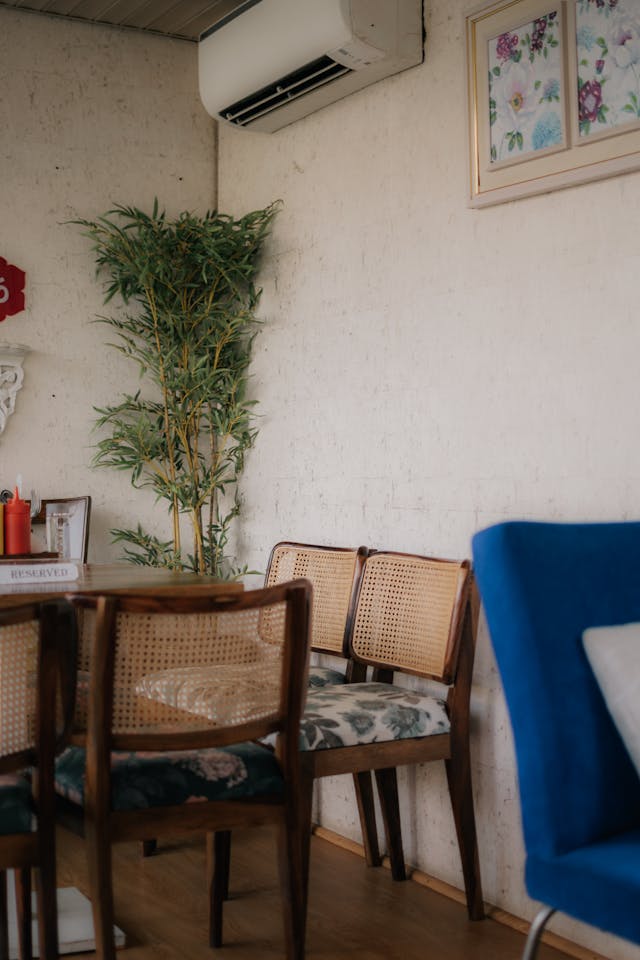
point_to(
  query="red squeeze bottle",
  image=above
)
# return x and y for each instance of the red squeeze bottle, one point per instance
(17, 525)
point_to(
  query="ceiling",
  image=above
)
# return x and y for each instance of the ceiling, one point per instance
(185, 19)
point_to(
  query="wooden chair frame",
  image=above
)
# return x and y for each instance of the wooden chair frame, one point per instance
(452, 747)
(103, 826)
(24, 851)
(362, 779)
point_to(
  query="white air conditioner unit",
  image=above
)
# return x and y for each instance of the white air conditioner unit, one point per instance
(271, 62)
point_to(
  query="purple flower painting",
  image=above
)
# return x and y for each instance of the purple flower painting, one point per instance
(525, 88)
(608, 46)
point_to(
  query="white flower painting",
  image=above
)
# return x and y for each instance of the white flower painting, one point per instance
(525, 90)
(608, 45)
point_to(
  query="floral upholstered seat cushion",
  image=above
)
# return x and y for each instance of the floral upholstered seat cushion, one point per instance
(16, 805)
(358, 713)
(322, 676)
(140, 780)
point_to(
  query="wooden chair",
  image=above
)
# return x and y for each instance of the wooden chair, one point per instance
(36, 654)
(207, 678)
(334, 573)
(78, 509)
(413, 617)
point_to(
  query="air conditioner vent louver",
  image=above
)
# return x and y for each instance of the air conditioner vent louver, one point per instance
(316, 74)
(269, 63)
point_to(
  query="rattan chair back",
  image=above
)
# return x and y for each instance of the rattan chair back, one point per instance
(409, 614)
(193, 668)
(35, 652)
(37, 669)
(19, 657)
(334, 573)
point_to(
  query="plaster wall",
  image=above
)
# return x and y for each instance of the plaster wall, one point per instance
(90, 116)
(425, 370)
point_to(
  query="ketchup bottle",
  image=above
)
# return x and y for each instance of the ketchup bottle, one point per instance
(17, 525)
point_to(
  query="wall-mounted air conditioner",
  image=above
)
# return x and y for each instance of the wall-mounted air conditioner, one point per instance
(271, 62)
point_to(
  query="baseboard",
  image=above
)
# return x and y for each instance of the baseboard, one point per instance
(568, 947)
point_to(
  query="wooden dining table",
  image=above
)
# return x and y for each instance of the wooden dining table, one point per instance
(74, 910)
(95, 578)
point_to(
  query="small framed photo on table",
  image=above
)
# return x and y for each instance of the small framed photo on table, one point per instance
(553, 95)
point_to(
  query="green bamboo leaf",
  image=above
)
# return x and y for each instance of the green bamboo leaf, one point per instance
(189, 285)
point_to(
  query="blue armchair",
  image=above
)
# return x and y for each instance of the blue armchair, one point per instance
(542, 585)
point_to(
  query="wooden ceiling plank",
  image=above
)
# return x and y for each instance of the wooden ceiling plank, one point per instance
(120, 11)
(181, 14)
(178, 18)
(99, 10)
(199, 24)
(146, 12)
(37, 5)
(63, 8)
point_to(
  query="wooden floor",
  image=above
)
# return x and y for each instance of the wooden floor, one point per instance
(354, 912)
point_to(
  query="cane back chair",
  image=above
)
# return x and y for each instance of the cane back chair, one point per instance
(180, 687)
(414, 616)
(37, 657)
(334, 573)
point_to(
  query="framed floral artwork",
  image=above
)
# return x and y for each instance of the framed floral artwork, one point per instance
(553, 93)
(527, 99)
(608, 59)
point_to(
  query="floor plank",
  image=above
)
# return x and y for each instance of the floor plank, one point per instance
(354, 912)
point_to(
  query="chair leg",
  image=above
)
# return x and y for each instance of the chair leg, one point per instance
(387, 782)
(22, 881)
(535, 932)
(225, 862)
(47, 902)
(366, 809)
(100, 878)
(219, 862)
(149, 847)
(306, 809)
(4, 917)
(459, 780)
(293, 861)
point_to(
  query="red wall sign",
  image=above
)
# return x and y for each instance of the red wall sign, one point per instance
(12, 280)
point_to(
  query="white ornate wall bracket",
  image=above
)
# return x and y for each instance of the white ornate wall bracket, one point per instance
(11, 378)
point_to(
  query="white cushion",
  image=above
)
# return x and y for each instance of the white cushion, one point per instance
(614, 655)
(224, 693)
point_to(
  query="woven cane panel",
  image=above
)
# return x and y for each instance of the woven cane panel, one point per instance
(226, 650)
(404, 614)
(331, 574)
(18, 686)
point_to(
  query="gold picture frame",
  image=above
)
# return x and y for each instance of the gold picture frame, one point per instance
(541, 115)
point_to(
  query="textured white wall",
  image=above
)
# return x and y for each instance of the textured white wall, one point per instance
(90, 116)
(425, 370)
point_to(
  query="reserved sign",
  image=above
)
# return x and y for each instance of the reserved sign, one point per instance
(37, 572)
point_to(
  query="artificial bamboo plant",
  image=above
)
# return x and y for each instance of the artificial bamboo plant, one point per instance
(187, 318)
